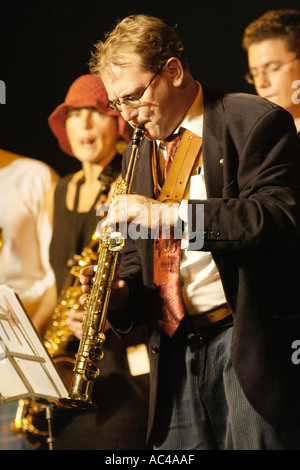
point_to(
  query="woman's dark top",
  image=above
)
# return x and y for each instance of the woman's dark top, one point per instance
(73, 230)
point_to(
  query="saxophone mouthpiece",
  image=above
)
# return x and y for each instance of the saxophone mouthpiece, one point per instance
(138, 135)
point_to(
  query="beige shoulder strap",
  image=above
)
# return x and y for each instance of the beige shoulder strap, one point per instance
(188, 157)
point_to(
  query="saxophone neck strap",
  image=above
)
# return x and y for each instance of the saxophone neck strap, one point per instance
(188, 157)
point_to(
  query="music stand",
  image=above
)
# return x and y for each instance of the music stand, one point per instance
(26, 368)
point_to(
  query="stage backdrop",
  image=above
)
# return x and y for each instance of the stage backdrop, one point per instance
(45, 45)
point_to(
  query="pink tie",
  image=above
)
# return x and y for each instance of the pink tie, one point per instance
(167, 254)
(172, 145)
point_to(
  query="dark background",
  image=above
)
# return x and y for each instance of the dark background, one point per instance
(45, 45)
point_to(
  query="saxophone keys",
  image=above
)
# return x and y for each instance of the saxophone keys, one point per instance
(96, 354)
(91, 372)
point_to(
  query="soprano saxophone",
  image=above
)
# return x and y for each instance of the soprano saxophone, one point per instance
(90, 351)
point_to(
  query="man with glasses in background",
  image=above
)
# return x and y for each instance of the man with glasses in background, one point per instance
(222, 314)
(272, 43)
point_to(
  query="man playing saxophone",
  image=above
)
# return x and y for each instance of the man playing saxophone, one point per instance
(223, 310)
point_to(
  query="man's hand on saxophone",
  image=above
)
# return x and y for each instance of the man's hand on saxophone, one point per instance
(119, 288)
(126, 209)
(74, 322)
(75, 318)
(140, 210)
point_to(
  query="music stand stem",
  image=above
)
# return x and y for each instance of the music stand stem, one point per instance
(49, 416)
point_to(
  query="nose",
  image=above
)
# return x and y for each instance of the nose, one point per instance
(86, 118)
(129, 113)
(262, 79)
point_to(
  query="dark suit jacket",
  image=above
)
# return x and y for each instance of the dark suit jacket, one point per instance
(252, 226)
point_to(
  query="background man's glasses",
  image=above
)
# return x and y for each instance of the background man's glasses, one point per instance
(268, 70)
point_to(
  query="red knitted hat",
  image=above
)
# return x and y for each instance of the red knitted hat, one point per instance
(86, 91)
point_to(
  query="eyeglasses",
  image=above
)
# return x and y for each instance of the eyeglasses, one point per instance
(269, 70)
(131, 101)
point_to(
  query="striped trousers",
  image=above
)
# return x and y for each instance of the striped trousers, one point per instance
(208, 408)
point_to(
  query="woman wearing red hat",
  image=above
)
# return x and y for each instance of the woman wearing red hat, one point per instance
(87, 130)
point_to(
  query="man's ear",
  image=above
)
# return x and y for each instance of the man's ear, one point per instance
(175, 70)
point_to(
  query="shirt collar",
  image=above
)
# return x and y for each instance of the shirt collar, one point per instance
(193, 120)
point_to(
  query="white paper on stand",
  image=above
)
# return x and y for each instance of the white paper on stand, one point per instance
(26, 368)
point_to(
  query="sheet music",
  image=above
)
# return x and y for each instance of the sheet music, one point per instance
(26, 368)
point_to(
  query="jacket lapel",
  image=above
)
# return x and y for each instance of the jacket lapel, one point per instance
(212, 142)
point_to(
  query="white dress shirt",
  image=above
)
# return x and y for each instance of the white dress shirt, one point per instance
(201, 284)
